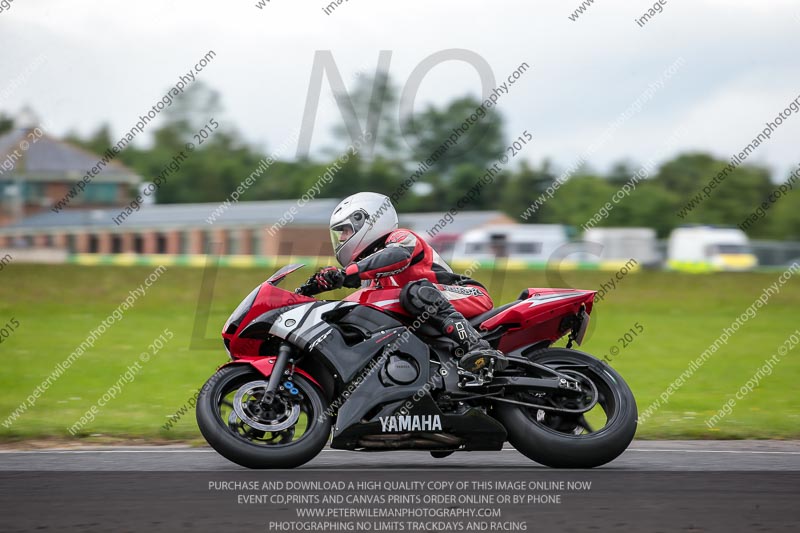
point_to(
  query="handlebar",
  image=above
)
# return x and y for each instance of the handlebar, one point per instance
(309, 288)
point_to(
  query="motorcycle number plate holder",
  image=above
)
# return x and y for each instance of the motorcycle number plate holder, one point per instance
(581, 333)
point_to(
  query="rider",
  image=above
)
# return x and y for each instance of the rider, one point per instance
(373, 250)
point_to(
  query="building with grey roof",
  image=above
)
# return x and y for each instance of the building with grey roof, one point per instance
(37, 171)
(270, 228)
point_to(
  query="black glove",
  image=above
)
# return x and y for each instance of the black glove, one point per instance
(309, 288)
(329, 278)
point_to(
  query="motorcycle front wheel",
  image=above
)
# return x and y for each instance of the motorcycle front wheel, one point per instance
(556, 435)
(286, 433)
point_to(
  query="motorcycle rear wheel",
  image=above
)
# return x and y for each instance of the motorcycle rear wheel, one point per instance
(569, 441)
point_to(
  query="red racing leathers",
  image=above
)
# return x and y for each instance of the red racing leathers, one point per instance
(404, 257)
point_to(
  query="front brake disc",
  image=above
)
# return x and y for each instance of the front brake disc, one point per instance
(243, 411)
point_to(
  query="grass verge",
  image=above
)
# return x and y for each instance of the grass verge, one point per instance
(679, 316)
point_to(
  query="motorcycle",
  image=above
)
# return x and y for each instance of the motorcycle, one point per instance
(364, 375)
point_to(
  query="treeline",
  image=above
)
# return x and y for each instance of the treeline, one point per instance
(224, 159)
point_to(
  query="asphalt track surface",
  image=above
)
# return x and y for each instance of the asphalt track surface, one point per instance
(658, 456)
(682, 486)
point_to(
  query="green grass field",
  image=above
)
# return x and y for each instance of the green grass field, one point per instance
(57, 306)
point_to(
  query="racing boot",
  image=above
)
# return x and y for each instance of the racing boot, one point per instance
(422, 299)
(478, 353)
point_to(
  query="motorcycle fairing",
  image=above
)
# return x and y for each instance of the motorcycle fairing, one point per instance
(539, 305)
(268, 298)
(346, 345)
(386, 299)
(471, 430)
(369, 391)
(359, 418)
(539, 317)
(265, 365)
(357, 357)
(304, 324)
(350, 338)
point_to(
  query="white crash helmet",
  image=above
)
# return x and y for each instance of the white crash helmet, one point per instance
(369, 216)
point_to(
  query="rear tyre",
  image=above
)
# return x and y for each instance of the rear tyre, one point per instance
(569, 441)
(300, 427)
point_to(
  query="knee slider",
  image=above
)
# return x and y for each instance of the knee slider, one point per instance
(421, 295)
(409, 298)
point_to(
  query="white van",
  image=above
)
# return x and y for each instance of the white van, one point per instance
(709, 248)
(623, 244)
(522, 242)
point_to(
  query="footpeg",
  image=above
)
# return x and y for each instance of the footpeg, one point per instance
(479, 379)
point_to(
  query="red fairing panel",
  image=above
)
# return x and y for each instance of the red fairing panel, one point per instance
(539, 317)
(269, 297)
(387, 300)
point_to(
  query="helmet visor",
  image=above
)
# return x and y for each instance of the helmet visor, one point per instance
(343, 231)
(340, 234)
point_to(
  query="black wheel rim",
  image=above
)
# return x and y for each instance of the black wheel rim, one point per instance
(576, 425)
(278, 410)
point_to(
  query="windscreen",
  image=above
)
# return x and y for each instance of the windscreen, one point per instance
(278, 276)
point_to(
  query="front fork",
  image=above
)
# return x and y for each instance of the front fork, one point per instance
(278, 371)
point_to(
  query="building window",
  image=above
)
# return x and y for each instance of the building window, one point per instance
(184, 237)
(71, 246)
(23, 241)
(161, 243)
(234, 242)
(117, 245)
(33, 191)
(255, 241)
(94, 243)
(138, 244)
(100, 193)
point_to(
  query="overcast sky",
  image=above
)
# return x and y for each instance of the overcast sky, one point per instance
(109, 61)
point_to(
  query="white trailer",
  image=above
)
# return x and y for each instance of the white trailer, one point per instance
(623, 244)
(522, 242)
(709, 248)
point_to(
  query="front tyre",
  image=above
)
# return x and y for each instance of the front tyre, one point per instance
(287, 433)
(567, 440)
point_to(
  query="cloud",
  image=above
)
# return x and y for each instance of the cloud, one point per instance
(108, 61)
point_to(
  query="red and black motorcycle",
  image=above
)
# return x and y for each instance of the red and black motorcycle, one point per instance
(363, 374)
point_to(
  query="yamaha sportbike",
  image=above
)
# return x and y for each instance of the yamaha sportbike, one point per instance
(362, 374)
